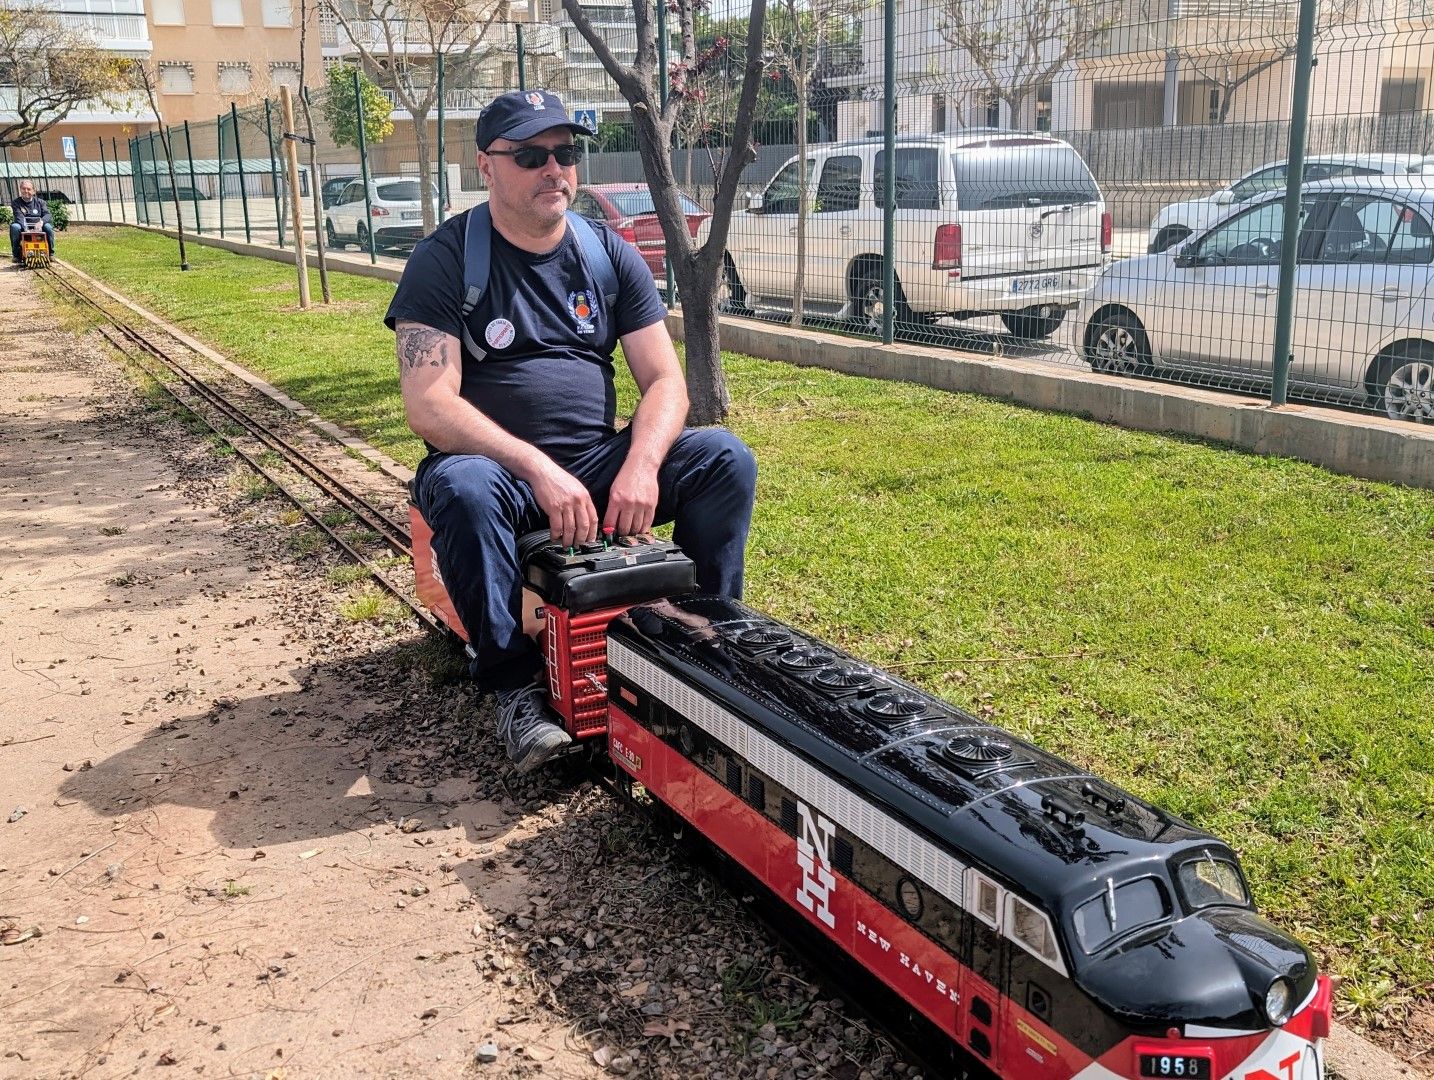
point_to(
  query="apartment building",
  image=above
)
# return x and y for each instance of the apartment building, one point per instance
(1160, 64)
(117, 26)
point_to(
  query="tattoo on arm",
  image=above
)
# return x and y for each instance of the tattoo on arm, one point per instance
(420, 347)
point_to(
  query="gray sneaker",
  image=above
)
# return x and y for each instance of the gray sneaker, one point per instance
(528, 727)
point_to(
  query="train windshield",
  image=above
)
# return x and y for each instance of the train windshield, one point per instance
(1210, 881)
(1120, 909)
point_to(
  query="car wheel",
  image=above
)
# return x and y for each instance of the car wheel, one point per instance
(331, 236)
(1406, 386)
(1034, 323)
(361, 235)
(1167, 238)
(1115, 342)
(731, 293)
(868, 304)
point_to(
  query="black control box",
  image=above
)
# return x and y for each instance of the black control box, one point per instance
(603, 574)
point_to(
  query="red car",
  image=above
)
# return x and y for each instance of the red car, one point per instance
(627, 209)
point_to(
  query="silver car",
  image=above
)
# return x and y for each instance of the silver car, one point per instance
(1177, 221)
(1364, 307)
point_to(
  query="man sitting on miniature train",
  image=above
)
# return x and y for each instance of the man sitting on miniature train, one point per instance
(523, 434)
(26, 208)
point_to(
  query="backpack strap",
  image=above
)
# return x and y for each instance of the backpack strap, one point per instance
(596, 261)
(477, 253)
(477, 257)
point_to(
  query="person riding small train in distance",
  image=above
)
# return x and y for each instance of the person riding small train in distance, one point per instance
(26, 208)
(521, 430)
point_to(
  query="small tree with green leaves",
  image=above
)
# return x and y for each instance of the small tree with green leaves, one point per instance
(341, 112)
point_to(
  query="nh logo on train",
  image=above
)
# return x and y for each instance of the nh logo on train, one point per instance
(814, 854)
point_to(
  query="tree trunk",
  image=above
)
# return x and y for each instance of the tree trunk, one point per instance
(707, 396)
(425, 170)
(320, 240)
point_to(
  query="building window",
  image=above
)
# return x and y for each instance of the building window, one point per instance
(286, 73)
(1043, 107)
(988, 107)
(176, 78)
(226, 12)
(278, 13)
(938, 113)
(167, 12)
(1123, 105)
(234, 78)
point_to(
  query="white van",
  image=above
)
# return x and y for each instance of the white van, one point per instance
(988, 222)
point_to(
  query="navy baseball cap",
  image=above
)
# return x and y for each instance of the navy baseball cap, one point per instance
(521, 114)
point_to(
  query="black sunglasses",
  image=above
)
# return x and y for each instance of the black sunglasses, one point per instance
(535, 157)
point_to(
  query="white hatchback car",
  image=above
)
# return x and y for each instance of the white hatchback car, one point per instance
(1363, 328)
(394, 212)
(1178, 220)
(988, 222)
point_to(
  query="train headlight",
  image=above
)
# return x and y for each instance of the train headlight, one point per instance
(1279, 1002)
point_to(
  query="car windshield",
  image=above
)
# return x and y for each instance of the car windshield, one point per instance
(633, 203)
(1028, 176)
(1210, 881)
(1120, 909)
(401, 191)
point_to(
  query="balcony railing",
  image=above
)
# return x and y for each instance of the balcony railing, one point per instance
(1139, 26)
(106, 29)
(502, 37)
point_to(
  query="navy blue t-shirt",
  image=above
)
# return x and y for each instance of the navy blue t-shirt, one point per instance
(547, 377)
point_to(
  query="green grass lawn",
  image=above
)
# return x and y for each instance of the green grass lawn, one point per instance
(1248, 642)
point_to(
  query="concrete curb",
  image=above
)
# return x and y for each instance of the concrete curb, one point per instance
(1371, 447)
(1349, 1055)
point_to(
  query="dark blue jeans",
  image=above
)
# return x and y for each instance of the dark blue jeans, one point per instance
(477, 510)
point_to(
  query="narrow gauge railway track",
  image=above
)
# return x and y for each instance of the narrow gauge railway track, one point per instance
(213, 408)
(864, 995)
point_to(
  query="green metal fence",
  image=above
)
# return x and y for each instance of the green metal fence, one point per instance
(1099, 184)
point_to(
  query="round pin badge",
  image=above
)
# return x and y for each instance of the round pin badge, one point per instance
(499, 334)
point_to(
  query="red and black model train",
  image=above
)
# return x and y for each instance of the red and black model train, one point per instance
(1048, 924)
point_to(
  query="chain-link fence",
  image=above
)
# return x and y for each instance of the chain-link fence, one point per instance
(1094, 183)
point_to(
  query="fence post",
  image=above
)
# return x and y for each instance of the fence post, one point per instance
(219, 150)
(522, 75)
(119, 186)
(136, 189)
(888, 180)
(1294, 182)
(193, 181)
(363, 166)
(274, 170)
(239, 157)
(155, 173)
(442, 150)
(79, 182)
(662, 91)
(105, 175)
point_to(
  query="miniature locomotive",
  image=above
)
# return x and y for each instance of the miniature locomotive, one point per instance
(34, 245)
(1049, 924)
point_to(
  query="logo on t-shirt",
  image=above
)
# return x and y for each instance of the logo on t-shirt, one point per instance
(582, 312)
(499, 334)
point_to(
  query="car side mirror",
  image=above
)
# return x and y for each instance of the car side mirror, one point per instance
(1224, 198)
(754, 203)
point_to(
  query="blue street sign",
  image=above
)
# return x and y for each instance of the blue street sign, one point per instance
(587, 118)
(67, 144)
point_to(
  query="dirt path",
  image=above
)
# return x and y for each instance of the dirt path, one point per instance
(244, 835)
(220, 879)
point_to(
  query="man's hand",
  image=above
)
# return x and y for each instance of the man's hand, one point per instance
(632, 502)
(571, 514)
